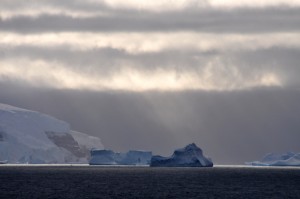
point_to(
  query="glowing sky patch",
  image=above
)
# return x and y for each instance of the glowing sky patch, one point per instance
(153, 42)
(56, 76)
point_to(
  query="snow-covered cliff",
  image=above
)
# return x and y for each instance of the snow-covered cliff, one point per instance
(189, 156)
(32, 137)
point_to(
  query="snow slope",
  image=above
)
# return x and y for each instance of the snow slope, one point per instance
(32, 137)
(271, 159)
(189, 156)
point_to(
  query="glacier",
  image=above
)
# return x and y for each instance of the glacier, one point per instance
(109, 157)
(189, 156)
(31, 137)
(272, 159)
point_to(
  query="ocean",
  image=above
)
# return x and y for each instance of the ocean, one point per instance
(145, 182)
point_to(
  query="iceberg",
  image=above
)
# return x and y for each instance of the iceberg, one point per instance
(3, 162)
(31, 137)
(103, 157)
(135, 157)
(189, 156)
(108, 157)
(271, 159)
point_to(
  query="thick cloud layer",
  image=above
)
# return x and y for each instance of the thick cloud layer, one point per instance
(164, 72)
(216, 21)
(231, 127)
(162, 45)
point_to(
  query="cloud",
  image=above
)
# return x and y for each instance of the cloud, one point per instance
(280, 19)
(154, 6)
(212, 76)
(136, 42)
(172, 62)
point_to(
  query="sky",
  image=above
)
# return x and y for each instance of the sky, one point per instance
(157, 75)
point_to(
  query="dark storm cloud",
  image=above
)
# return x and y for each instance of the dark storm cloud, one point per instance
(231, 127)
(216, 21)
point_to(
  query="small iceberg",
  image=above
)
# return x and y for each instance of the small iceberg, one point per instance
(109, 157)
(189, 156)
(271, 159)
(3, 161)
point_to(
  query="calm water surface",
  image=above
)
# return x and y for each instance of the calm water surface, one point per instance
(143, 182)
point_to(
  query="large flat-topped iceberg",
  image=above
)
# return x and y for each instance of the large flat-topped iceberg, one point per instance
(189, 156)
(108, 157)
(32, 137)
(271, 159)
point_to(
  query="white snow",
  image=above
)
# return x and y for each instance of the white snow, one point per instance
(271, 159)
(87, 141)
(189, 156)
(24, 139)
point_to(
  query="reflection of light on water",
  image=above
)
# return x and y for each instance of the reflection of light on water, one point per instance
(256, 167)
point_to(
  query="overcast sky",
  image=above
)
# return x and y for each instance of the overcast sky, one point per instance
(158, 75)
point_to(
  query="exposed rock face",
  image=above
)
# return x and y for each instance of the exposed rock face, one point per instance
(31, 137)
(271, 159)
(189, 156)
(108, 157)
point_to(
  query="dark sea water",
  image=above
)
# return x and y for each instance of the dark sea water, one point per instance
(143, 182)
